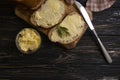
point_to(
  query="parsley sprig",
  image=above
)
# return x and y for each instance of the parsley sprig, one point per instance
(62, 31)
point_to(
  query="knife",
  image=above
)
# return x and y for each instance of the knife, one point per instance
(88, 21)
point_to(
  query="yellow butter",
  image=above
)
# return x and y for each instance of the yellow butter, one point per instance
(28, 40)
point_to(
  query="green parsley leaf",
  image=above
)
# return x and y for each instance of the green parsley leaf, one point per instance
(62, 31)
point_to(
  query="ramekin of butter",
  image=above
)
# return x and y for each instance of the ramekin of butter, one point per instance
(28, 40)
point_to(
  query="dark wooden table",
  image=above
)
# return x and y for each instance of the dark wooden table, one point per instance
(52, 62)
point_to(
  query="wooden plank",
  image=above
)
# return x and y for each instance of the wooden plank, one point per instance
(85, 62)
(86, 49)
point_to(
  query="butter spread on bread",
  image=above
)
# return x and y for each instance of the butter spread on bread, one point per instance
(50, 14)
(74, 25)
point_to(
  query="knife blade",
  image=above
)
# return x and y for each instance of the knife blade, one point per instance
(88, 21)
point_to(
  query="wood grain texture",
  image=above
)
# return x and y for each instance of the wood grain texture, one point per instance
(52, 62)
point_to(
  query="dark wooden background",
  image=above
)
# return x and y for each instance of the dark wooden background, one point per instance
(52, 62)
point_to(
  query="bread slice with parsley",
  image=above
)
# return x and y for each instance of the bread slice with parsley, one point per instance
(67, 30)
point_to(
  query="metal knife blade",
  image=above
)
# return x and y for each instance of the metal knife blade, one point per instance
(84, 14)
(88, 21)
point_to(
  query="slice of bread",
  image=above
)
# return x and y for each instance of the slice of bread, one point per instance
(71, 21)
(70, 29)
(49, 14)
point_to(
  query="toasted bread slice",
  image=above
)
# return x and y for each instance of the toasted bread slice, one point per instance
(49, 14)
(72, 21)
(69, 30)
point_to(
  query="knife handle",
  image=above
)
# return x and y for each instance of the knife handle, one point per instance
(105, 52)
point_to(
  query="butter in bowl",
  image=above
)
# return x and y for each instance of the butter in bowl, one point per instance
(28, 40)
